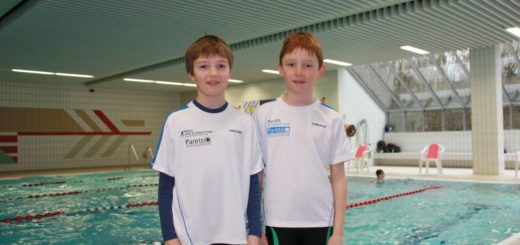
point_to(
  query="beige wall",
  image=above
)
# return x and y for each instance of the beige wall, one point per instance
(92, 142)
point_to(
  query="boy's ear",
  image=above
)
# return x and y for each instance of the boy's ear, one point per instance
(322, 70)
(192, 78)
(280, 70)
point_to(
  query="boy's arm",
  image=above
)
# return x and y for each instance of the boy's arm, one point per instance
(165, 197)
(339, 191)
(253, 207)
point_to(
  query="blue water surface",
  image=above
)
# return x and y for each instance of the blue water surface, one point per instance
(94, 210)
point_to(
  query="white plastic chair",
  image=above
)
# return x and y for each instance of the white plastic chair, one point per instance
(361, 157)
(431, 153)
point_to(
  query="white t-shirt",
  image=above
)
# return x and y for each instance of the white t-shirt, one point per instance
(298, 146)
(211, 156)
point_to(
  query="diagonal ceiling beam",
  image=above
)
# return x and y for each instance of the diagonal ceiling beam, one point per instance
(387, 89)
(400, 80)
(367, 89)
(447, 80)
(423, 81)
(17, 11)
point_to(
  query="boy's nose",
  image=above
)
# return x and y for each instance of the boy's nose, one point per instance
(298, 70)
(212, 71)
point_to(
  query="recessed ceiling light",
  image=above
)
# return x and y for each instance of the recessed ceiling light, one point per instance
(235, 81)
(138, 80)
(270, 71)
(341, 63)
(414, 50)
(514, 30)
(159, 82)
(73, 75)
(169, 83)
(52, 73)
(34, 72)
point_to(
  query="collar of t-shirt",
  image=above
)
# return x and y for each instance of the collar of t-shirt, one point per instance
(209, 110)
(285, 105)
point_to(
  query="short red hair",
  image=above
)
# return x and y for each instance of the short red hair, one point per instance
(302, 40)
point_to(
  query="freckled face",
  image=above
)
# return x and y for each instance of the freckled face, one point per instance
(300, 70)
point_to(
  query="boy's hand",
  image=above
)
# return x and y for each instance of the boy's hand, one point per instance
(172, 242)
(335, 240)
(253, 240)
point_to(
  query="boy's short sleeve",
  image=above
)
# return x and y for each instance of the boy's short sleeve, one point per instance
(163, 160)
(341, 144)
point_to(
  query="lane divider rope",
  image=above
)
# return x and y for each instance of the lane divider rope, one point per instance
(386, 198)
(63, 182)
(80, 192)
(39, 216)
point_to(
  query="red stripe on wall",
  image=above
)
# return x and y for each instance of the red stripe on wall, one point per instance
(15, 159)
(81, 133)
(107, 121)
(5, 139)
(9, 149)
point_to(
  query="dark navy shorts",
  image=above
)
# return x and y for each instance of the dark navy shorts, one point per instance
(298, 236)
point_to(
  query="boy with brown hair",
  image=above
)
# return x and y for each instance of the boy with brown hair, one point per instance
(302, 139)
(208, 158)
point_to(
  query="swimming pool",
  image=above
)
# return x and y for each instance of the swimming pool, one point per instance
(120, 208)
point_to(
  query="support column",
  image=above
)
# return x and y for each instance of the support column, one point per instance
(487, 128)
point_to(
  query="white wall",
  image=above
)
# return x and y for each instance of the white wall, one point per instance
(453, 141)
(357, 105)
(54, 151)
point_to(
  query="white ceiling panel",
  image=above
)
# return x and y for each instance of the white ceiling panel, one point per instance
(146, 39)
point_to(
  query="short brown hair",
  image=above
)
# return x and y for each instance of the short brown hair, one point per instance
(302, 40)
(206, 46)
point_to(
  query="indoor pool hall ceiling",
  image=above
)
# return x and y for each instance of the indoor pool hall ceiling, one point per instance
(112, 40)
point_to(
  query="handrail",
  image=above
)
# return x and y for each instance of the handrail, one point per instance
(150, 152)
(131, 149)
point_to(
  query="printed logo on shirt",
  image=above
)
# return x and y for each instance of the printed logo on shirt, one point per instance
(186, 132)
(192, 133)
(278, 131)
(319, 125)
(275, 127)
(198, 141)
(235, 131)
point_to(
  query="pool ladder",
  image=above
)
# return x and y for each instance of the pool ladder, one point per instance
(147, 154)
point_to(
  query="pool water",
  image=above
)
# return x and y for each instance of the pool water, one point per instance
(101, 209)
(456, 213)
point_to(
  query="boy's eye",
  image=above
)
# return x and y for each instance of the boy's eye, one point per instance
(221, 66)
(203, 66)
(289, 64)
(309, 65)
